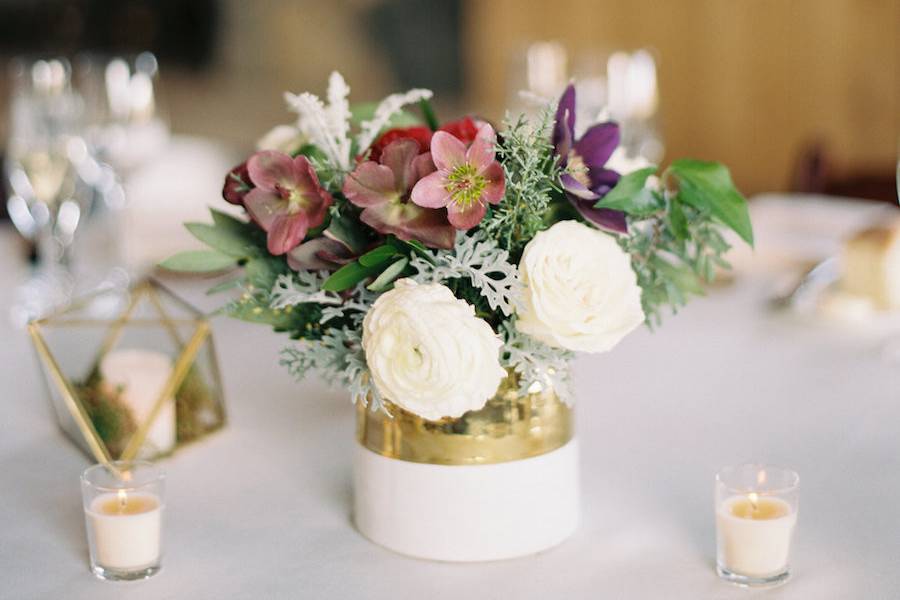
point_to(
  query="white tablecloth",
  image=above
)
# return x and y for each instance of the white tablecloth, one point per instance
(261, 509)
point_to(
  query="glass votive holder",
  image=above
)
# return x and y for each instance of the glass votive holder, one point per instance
(123, 509)
(756, 514)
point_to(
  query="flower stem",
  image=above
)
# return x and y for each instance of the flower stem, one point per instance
(428, 113)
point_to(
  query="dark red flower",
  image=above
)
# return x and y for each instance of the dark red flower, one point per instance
(465, 129)
(237, 184)
(422, 135)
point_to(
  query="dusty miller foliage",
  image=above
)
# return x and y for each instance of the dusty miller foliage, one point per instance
(353, 308)
(303, 287)
(536, 362)
(339, 359)
(479, 259)
(532, 176)
(338, 356)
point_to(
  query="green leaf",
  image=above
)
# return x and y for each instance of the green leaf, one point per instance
(377, 256)
(198, 261)
(388, 276)
(677, 220)
(631, 197)
(411, 246)
(707, 186)
(224, 239)
(310, 151)
(224, 286)
(349, 231)
(348, 276)
(230, 223)
(262, 271)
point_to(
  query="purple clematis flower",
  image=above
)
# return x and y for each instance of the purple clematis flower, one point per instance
(585, 179)
(466, 181)
(382, 189)
(287, 200)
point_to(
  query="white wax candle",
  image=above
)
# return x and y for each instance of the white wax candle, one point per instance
(125, 530)
(755, 535)
(141, 376)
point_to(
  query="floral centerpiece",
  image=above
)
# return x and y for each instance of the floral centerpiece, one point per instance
(446, 273)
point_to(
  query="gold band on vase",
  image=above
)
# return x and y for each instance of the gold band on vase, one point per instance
(511, 426)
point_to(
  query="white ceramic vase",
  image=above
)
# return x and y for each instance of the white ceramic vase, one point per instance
(496, 483)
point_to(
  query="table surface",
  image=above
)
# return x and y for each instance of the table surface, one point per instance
(261, 509)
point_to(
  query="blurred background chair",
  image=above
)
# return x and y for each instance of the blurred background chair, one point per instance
(815, 172)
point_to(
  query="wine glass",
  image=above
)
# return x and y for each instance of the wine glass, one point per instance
(125, 123)
(44, 150)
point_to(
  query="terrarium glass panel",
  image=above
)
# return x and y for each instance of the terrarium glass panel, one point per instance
(131, 372)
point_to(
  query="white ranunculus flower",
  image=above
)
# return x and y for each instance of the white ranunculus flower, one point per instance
(428, 353)
(283, 138)
(580, 292)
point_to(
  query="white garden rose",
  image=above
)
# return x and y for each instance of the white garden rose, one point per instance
(580, 291)
(428, 353)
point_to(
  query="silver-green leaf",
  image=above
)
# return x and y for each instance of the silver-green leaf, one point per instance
(198, 261)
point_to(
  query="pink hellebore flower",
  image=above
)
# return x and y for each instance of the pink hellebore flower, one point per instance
(465, 180)
(287, 200)
(382, 190)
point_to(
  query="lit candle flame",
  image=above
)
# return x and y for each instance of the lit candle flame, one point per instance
(123, 499)
(754, 500)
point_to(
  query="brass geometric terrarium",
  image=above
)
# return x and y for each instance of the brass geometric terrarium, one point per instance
(131, 372)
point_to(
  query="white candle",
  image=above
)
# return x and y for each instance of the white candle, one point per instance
(125, 530)
(141, 375)
(755, 534)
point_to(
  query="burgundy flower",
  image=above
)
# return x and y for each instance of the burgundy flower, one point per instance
(464, 129)
(320, 253)
(586, 179)
(466, 181)
(421, 134)
(237, 184)
(287, 200)
(382, 189)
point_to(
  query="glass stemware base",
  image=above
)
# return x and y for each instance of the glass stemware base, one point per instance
(748, 581)
(124, 575)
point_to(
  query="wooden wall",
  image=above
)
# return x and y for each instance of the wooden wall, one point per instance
(748, 82)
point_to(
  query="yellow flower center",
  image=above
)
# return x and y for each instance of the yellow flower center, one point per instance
(578, 169)
(465, 185)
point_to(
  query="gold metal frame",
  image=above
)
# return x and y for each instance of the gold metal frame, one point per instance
(188, 351)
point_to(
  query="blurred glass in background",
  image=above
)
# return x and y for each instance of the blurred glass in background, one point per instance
(43, 151)
(619, 86)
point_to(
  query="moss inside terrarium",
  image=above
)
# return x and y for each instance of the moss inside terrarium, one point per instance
(111, 418)
(197, 410)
